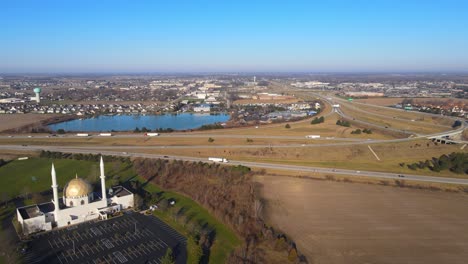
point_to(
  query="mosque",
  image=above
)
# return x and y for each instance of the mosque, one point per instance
(78, 204)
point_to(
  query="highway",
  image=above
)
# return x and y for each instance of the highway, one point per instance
(351, 173)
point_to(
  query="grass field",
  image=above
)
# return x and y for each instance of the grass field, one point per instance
(33, 175)
(358, 223)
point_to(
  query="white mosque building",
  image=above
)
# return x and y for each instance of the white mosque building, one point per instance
(78, 204)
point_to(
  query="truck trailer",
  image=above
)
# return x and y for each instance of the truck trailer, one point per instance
(218, 159)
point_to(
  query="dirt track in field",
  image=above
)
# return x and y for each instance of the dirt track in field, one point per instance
(335, 222)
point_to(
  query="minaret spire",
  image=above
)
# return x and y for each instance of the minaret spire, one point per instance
(55, 191)
(103, 181)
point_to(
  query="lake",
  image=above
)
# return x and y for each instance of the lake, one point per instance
(130, 122)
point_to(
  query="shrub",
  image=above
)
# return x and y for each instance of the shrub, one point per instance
(318, 120)
(211, 140)
(287, 126)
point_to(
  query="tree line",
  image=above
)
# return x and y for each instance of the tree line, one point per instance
(456, 162)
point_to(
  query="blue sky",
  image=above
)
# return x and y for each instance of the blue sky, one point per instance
(221, 36)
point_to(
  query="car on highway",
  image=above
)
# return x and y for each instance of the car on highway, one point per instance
(401, 176)
(165, 156)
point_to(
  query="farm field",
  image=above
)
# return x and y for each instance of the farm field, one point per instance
(345, 223)
(10, 121)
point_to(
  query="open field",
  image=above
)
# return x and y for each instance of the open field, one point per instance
(357, 223)
(157, 141)
(356, 157)
(413, 126)
(393, 101)
(302, 128)
(8, 121)
(413, 116)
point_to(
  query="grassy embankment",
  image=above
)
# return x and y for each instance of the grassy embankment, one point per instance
(17, 174)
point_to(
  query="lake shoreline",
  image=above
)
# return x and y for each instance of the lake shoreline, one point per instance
(163, 122)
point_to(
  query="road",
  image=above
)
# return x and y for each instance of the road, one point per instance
(351, 173)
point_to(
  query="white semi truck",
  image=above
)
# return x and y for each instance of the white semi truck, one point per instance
(105, 134)
(151, 134)
(82, 135)
(218, 159)
(313, 136)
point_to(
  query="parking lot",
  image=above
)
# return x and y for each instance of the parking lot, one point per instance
(131, 238)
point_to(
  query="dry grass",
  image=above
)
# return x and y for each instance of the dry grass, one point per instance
(157, 141)
(335, 222)
(355, 157)
(303, 128)
(12, 121)
(414, 126)
(393, 101)
(413, 116)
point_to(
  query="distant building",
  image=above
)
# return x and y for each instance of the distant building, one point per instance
(202, 108)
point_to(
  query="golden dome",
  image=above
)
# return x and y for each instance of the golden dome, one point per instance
(77, 188)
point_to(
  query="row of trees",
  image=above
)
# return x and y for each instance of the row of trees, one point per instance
(145, 130)
(78, 156)
(359, 131)
(211, 126)
(456, 162)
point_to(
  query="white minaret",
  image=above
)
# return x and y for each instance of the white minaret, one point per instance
(103, 182)
(55, 190)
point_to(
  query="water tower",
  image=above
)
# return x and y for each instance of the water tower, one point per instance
(38, 91)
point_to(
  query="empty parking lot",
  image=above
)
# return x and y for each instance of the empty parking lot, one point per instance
(131, 238)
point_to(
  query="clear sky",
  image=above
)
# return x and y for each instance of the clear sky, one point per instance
(221, 36)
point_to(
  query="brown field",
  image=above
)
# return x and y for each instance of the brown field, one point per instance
(302, 128)
(155, 141)
(418, 117)
(393, 101)
(336, 222)
(416, 126)
(10, 121)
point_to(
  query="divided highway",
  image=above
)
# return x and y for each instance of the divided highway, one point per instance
(371, 174)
